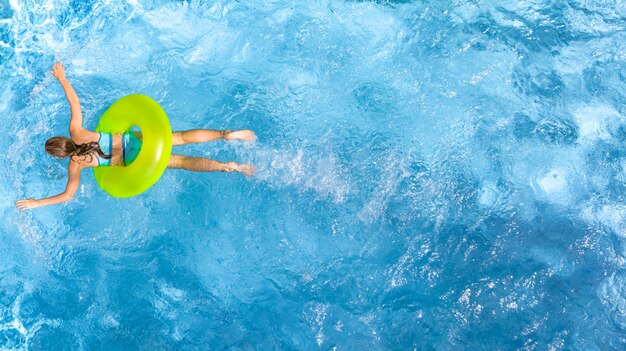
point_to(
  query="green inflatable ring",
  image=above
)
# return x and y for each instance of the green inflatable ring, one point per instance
(145, 113)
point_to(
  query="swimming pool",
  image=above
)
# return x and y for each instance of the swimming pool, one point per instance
(431, 176)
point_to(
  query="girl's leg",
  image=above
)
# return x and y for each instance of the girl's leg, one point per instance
(202, 135)
(199, 164)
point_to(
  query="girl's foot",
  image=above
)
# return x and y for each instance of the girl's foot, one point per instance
(246, 169)
(240, 135)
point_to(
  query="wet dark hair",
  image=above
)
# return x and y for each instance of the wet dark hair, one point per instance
(62, 147)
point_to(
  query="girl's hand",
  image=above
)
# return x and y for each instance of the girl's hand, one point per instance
(58, 71)
(26, 204)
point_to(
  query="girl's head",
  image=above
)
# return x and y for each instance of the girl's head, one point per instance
(62, 147)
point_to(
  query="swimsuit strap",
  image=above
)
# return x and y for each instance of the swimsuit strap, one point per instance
(105, 142)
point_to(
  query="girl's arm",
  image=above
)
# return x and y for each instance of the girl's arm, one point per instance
(76, 122)
(73, 180)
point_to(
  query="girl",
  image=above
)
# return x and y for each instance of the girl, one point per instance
(87, 149)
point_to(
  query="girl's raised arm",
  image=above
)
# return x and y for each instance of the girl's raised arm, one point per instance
(76, 122)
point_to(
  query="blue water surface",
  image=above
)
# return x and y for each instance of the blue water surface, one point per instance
(432, 175)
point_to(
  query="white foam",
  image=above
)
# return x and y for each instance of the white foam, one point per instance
(554, 181)
(395, 172)
(219, 42)
(299, 78)
(596, 122)
(488, 195)
(29, 330)
(172, 293)
(610, 215)
(315, 316)
(465, 297)
(281, 16)
(110, 322)
(612, 292)
(592, 21)
(15, 5)
(322, 174)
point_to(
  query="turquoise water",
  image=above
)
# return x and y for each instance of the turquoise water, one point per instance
(431, 176)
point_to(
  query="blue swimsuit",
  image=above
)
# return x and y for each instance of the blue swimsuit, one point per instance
(131, 145)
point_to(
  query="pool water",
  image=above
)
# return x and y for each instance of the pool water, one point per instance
(431, 175)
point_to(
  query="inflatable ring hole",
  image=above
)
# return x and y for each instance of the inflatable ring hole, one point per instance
(131, 144)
